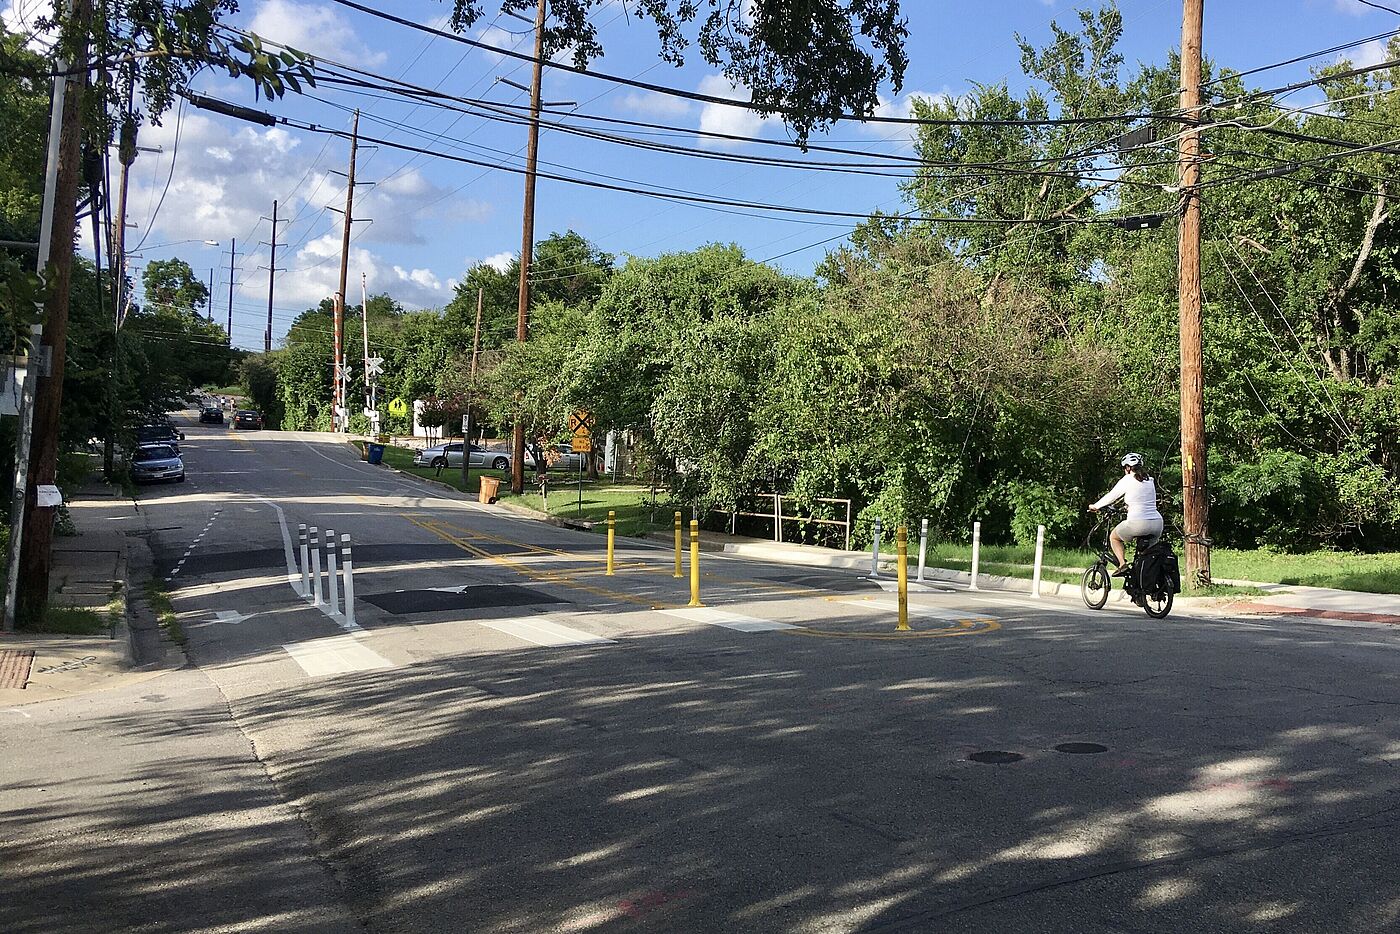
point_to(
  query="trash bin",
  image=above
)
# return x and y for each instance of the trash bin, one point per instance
(376, 453)
(490, 486)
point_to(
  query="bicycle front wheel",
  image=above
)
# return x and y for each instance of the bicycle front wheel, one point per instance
(1095, 586)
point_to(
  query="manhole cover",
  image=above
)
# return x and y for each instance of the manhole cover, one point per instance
(1081, 749)
(995, 757)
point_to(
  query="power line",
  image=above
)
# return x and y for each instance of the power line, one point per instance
(547, 62)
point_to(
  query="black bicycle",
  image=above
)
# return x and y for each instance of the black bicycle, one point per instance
(1097, 582)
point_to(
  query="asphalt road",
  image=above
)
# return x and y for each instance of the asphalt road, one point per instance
(513, 741)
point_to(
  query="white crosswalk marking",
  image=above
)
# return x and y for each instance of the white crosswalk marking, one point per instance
(542, 631)
(712, 617)
(953, 614)
(335, 655)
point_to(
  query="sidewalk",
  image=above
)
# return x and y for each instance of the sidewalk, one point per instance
(90, 571)
(1323, 603)
(1284, 599)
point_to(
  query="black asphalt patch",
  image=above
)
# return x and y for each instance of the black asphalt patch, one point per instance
(399, 602)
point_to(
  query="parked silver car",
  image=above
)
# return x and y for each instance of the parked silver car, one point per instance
(152, 462)
(450, 455)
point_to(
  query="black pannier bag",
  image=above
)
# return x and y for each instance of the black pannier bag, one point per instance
(1156, 571)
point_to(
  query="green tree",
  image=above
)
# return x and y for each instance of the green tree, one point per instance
(172, 284)
(809, 60)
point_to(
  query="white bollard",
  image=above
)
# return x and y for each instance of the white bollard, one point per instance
(347, 567)
(332, 584)
(316, 593)
(976, 552)
(875, 551)
(1039, 557)
(305, 567)
(923, 547)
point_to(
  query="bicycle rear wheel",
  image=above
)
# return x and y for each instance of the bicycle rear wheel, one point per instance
(1095, 586)
(1158, 605)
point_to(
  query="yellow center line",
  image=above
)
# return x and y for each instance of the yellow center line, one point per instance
(563, 580)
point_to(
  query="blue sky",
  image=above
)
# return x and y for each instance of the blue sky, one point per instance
(432, 219)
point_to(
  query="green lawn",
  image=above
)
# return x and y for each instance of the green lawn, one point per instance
(629, 502)
(1373, 573)
(632, 503)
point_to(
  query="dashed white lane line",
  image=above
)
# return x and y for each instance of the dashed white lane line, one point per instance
(543, 632)
(335, 655)
(713, 617)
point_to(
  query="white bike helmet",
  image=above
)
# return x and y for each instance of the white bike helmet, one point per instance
(1132, 460)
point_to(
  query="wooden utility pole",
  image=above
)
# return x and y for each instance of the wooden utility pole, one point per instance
(527, 240)
(271, 279)
(35, 529)
(338, 351)
(1195, 504)
(471, 394)
(232, 253)
(126, 155)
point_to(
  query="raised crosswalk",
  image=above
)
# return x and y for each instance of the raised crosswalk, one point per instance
(335, 655)
(541, 631)
(713, 617)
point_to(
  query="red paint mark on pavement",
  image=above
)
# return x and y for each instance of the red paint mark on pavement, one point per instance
(649, 902)
(1353, 616)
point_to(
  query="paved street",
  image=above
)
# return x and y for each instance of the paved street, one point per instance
(515, 742)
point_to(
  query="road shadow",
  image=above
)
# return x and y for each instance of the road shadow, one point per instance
(714, 781)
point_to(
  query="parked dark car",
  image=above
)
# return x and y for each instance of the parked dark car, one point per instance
(160, 434)
(247, 418)
(211, 414)
(154, 462)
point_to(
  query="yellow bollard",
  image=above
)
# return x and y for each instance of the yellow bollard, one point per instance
(901, 540)
(695, 563)
(679, 548)
(612, 534)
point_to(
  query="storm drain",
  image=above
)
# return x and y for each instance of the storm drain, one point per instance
(995, 757)
(14, 668)
(1081, 749)
(400, 602)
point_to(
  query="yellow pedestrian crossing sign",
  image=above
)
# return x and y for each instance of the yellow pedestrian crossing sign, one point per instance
(398, 407)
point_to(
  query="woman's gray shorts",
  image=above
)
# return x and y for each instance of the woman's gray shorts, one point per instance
(1130, 529)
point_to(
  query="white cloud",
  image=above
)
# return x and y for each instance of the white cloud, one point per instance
(724, 118)
(652, 104)
(901, 108)
(21, 16)
(499, 261)
(501, 39)
(226, 175)
(315, 28)
(314, 272)
(1364, 56)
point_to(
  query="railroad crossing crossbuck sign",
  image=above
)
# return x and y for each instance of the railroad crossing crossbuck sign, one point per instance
(581, 424)
(374, 366)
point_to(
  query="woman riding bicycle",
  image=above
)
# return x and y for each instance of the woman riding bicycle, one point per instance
(1137, 490)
